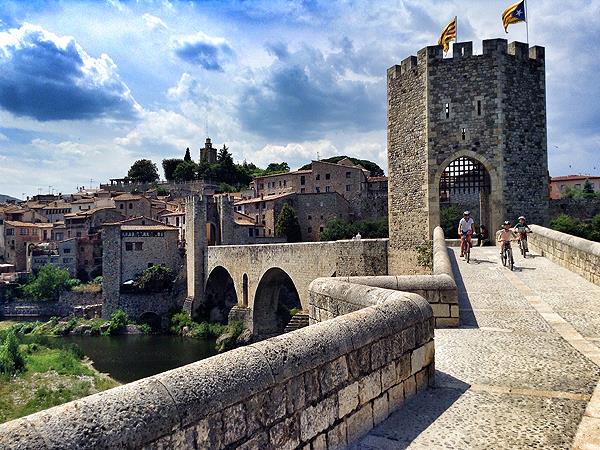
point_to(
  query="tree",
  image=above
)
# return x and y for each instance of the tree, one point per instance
(144, 171)
(11, 359)
(224, 157)
(588, 190)
(375, 170)
(287, 224)
(155, 279)
(274, 168)
(48, 283)
(187, 156)
(169, 166)
(185, 171)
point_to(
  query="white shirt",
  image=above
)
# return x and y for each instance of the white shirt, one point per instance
(465, 225)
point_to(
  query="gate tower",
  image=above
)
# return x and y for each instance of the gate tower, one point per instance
(468, 131)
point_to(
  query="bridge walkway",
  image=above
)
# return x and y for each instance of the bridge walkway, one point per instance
(518, 373)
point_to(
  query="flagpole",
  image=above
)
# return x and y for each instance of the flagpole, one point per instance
(526, 21)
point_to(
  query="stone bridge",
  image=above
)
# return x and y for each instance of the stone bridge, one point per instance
(254, 279)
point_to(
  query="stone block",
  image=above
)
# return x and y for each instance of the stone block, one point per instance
(359, 423)
(265, 408)
(319, 443)
(295, 395)
(369, 387)
(396, 397)
(410, 387)
(421, 379)
(403, 368)
(454, 311)
(234, 424)
(347, 399)
(312, 390)
(336, 438)
(359, 362)
(183, 438)
(285, 434)
(380, 409)
(333, 374)
(446, 322)
(441, 310)
(316, 419)
(421, 357)
(408, 338)
(388, 376)
(258, 442)
(209, 432)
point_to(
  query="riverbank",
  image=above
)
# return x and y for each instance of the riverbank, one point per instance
(53, 373)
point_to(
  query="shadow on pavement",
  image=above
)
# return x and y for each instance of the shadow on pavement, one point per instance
(467, 317)
(416, 415)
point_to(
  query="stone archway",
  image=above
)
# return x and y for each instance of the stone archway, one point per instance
(152, 319)
(275, 296)
(467, 181)
(219, 297)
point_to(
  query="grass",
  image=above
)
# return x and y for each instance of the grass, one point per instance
(52, 376)
(89, 288)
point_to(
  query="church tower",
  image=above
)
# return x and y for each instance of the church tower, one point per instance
(208, 153)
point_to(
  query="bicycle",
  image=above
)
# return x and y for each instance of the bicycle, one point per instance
(507, 256)
(523, 247)
(465, 247)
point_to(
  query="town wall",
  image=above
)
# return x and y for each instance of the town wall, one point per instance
(322, 386)
(576, 254)
(583, 209)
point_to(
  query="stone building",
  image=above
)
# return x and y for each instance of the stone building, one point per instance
(558, 185)
(208, 153)
(131, 205)
(468, 130)
(18, 236)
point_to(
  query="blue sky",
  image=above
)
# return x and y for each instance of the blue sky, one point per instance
(86, 88)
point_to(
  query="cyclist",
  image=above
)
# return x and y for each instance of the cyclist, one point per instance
(505, 235)
(522, 229)
(466, 228)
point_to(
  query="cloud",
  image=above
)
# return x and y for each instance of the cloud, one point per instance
(154, 22)
(3, 137)
(205, 51)
(304, 94)
(48, 77)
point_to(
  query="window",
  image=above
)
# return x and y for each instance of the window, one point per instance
(279, 183)
(150, 265)
(10, 231)
(261, 185)
(479, 107)
(302, 190)
(562, 187)
(251, 232)
(138, 246)
(317, 189)
(348, 187)
(321, 216)
(78, 234)
(131, 206)
(284, 183)
(309, 229)
(320, 229)
(66, 250)
(348, 174)
(318, 177)
(447, 110)
(463, 134)
(23, 231)
(121, 206)
(128, 246)
(578, 186)
(35, 232)
(327, 176)
(327, 188)
(309, 217)
(303, 180)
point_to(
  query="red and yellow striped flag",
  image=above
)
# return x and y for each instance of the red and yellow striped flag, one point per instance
(448, 34)
(515, 13)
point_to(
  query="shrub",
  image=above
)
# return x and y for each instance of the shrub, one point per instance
(287, 224)
(72, 283)
(337, 229)
(449, 218)
(118, 321)
(98, 280)
(11, 359)
(155, 279)
(47, 284)
(180, 320)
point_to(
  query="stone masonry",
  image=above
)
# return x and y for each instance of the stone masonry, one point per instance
(490, 108)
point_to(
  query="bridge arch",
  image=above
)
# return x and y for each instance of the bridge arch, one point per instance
(219, 297)
(276, 295)
(152, 319)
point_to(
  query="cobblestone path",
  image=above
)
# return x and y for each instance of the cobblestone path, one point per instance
(514, 375)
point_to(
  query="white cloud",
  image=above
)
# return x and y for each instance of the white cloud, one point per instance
(154, 22)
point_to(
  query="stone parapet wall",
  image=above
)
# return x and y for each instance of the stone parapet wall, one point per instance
(323, 386)
(69, 303)
(576, 254)
(583, 209)
(438, 289)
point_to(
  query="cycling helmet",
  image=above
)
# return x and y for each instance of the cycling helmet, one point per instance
(521, 217)
(506, 222)
(466, 213)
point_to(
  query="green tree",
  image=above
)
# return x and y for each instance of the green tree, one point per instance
(287, 224)
(187, 156)
(11, 360)
(274, 168)
(449, 218)
(224, 157)
(144, 171)
(169, 166)
(185, 171)
(47, 284)
(155, 279)
(372, 167)
(336, 230)
(588, 190)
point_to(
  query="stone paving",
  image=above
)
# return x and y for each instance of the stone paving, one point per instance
(506, 378)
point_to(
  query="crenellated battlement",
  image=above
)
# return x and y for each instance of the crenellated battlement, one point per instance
(520, 50)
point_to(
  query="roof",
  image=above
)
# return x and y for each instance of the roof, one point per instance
(575, 178)
(16, 223)
(376, 179)
(266, 198)
(84, 200)
(148, 228)
(294, 172)
(89, 212)
(55, 205)
(176, 213)
(128, 197)
(132, 219)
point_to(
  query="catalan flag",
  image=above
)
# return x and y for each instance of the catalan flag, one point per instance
(514, 14)
(448, 34)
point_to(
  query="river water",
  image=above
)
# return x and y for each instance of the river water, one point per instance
(131, 357)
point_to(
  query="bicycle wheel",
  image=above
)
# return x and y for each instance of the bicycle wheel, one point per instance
(522, 248)
(509, 257)
(503, 257)
(468, 253)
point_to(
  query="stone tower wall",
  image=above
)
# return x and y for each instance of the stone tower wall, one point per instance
(498, 100)
(226, 219)
(111, 268)
(195, 238)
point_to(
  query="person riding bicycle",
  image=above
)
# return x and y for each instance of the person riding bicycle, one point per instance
(466, 228)
(521, 229)
(504, 236)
